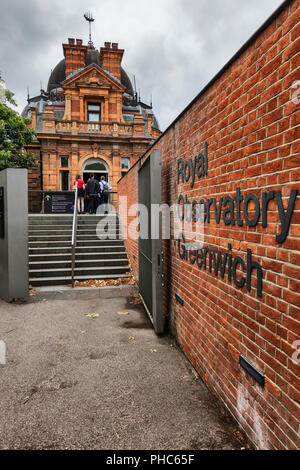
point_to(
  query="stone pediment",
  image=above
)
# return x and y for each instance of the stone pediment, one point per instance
(92, 76)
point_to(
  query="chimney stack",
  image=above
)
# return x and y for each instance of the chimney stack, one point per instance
(75, 55)
(111, 58)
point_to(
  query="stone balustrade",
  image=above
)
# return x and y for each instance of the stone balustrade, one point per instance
(97, 128)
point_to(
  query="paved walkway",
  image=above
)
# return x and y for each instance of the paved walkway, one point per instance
(73, 382)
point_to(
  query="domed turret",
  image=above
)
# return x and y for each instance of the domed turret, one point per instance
(58, 74)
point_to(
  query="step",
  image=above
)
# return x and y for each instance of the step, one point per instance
(88, 217)
(98, 242)
(80, 234)
(90, 272)
(51, 222)
(119, 246)
(54, 231)
(63, 280)
(104, 255)
(93, 226)
(62, 220)
(94, 220)
(102, 236)
(79, 256)
(68, 226)
(54, 238)
(68, 236)
(55, 244)
(49, 250)
(49, 257)
(66, 244)
(83, 263)
(110, 221)
(69, 221)
(90, 249)
(49, 227)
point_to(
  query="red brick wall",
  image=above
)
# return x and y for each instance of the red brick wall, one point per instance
(128, 191)
(249, 118)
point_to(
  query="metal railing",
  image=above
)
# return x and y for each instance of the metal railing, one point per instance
(74, 230)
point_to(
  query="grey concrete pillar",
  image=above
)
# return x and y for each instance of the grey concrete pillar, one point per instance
(14, 240)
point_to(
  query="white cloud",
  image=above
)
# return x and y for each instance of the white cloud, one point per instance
(174, 47)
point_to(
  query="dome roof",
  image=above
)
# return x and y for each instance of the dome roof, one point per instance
(58, 74)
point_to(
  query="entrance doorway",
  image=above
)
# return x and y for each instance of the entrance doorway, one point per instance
(97, 167)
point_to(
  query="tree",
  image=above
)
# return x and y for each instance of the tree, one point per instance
(14, 134)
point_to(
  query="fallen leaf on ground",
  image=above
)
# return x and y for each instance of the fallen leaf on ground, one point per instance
(83, 332)
(92, 315)
(122, 313)
(153, 350)
(103, 283)
(131, 338)
(136, 299)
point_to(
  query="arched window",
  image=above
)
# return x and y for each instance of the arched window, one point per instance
(95, 165)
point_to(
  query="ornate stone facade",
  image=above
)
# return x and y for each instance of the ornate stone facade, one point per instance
(89, 118)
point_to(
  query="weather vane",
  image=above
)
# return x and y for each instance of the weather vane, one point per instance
(89, 17)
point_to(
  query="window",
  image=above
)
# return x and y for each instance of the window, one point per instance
(93, 112)
(64, 162)
(125, 163)
(64, 180)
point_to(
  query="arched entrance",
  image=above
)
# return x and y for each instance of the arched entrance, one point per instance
(95, 166)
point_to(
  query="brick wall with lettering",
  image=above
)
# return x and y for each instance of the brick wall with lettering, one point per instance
(249, 120)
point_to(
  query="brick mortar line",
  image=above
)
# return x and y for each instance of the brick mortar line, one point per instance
(270, 367)
(240, 149)
(240, 108)
(283, 315)
(285, 367)
(281, 299)
(238, 139)
(234, 377)
(241, 323)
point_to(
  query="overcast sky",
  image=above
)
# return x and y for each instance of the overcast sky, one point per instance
(174, 47)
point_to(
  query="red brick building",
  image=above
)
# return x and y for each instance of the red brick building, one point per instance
(248, 116)
(90, 119)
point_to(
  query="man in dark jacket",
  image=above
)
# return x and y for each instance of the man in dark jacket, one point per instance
(93, 191)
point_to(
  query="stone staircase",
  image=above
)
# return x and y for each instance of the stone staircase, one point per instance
(50, 251)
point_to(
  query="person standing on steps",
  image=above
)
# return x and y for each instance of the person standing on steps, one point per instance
(105, 188)
(93, 191)
(80, 201)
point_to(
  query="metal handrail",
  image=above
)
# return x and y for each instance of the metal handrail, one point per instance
(74, 230)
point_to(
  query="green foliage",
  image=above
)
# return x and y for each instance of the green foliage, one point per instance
(14, 135)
